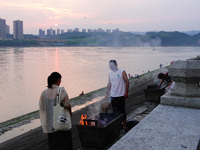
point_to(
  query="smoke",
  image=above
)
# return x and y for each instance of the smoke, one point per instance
(155, 42)
(95, 108)
(139, 42)
(92, 102)
(127, 40)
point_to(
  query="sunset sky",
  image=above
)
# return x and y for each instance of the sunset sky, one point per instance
(127, 15)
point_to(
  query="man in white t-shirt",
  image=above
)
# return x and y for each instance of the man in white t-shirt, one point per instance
(118, 86)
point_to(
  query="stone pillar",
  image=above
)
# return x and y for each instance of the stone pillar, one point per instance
(186, 92)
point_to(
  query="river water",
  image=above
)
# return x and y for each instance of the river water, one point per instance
(24, 71)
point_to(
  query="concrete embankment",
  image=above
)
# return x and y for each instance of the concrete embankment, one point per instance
(36, 140)
(175, 123)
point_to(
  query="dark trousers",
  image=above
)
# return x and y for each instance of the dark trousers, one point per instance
(118, 105)
(60, 140)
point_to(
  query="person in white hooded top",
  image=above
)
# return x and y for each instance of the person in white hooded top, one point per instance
(58, 140)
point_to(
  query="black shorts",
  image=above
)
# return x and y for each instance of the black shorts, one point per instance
(118, 105)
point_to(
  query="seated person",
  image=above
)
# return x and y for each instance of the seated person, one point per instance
(81, 93)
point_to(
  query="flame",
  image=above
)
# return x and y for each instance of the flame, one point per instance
(81, 121)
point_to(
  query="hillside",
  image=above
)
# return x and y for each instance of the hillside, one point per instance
(104, 39)
(175, 38)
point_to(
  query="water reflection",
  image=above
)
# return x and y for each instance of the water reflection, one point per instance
(56, 60)
(24, 71)
(4, 77)
(17, 80)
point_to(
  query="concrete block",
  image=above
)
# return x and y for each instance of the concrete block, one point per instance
(165, 128)
(180, 101)
(186, 74)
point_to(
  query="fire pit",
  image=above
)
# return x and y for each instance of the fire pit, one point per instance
(99, 130)
(153, 93)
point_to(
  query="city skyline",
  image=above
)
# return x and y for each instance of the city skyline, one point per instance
(128, 15)
(48, 32)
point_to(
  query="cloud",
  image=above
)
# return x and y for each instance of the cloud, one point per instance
(124, 21)
(50, 12)
(128, 15)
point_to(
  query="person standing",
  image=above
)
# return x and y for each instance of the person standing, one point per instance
(58, 140)
(118, 85)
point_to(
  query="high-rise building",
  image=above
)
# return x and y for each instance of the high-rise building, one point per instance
(7, 29)
(50, 31)
(2, 28)
(115, 30)
(69, 30)
(54, 32)
(58, 31)
(41, 33)
(62, 31)
(90, 31)
(108, 30)
(84, 30)
(18, 29)
(100, 30)
(76, 30)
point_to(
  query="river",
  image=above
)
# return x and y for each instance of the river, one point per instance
(24, 71)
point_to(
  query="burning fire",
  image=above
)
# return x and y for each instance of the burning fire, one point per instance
(81, 121)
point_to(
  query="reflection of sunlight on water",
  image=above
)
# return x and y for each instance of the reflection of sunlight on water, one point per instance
(36, 123)
(81, 67)
(56, 60)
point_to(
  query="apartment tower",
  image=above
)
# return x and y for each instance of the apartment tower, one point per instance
(18, 29)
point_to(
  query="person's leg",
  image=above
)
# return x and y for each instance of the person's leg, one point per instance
(114, 104)
(57, 140)
(69, 140)
(64, 140)
(51, 141)
(121, 108)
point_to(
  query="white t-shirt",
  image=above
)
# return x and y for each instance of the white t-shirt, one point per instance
(117, 83)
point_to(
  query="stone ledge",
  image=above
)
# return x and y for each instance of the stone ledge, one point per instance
(165, 128)
(180, 101)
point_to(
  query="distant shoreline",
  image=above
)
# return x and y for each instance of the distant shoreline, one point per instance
(104, 39)
(91, 46)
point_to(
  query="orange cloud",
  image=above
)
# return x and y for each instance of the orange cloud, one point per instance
(119, 21)
(52, 13)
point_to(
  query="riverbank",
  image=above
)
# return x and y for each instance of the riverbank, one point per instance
(35, 139)
(41, 46)
(78, 102)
